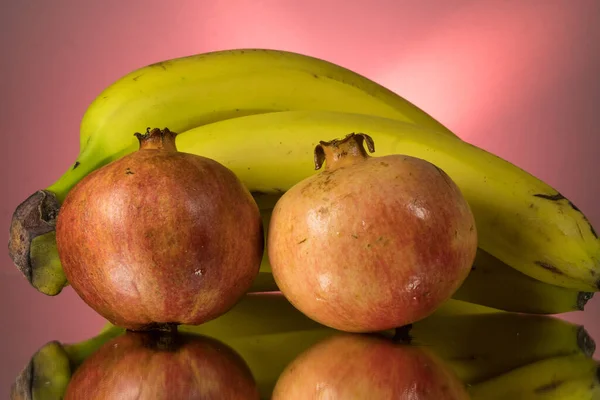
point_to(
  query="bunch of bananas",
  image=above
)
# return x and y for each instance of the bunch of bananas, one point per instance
(537, 253)
(497, 354)
(279, 105)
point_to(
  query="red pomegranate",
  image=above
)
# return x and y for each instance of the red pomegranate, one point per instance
(161, 366)
(370, 243)
(160, 237)
(356, 366)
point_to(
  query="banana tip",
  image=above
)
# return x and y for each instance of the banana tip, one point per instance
(583, 298)
(585, 342)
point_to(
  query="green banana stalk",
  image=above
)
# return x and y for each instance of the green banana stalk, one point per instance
(477, 342)
(187, 92)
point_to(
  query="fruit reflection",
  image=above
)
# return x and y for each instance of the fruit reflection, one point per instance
(355, 366)
(162, 365)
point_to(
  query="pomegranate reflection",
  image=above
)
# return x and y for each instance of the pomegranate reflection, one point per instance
(163, 365)
(357, 366)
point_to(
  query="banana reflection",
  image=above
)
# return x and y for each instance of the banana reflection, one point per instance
(496, 354)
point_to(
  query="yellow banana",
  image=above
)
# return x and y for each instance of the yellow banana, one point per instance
(493, 283)
(187, 92)
(522, 221)
(480, 342)
(574, 377)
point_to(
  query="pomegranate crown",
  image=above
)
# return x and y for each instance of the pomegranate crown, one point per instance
(336, 149)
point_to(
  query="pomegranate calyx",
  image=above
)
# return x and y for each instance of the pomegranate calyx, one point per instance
(157, 139)
(337, 152)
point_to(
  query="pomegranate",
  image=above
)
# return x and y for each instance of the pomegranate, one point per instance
(162, 365)
(370, 243)
(356, 366)
(160, 237)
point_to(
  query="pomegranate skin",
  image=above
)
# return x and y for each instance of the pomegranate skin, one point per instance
(160, 237)
(142, 366)
(352, 366)
(371, 243)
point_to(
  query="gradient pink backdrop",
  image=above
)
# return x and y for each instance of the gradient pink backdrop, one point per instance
(517, 78)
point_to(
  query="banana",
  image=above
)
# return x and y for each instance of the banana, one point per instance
(192, 91)
(477, 342)
(574, 377)
(521, 221)
(493, 283)
(480, 342)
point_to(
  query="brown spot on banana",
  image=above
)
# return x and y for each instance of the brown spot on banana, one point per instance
(558, 197)
(549, 267)
(549, 387)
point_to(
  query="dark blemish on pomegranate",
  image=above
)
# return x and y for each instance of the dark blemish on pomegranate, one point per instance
(548, 387)
(302, 241)
(446, 178)
(248, 168)
(77, 164)
(455, 233)
(471, 228)
(549, 267)
(237, 110)
(323, 210)
(135, 78)
(355, 236)
(384, 164)
(128, 171)
(368, 245)
(315, 76)
(531, 205)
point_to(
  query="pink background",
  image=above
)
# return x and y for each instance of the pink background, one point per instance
(518, 78)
